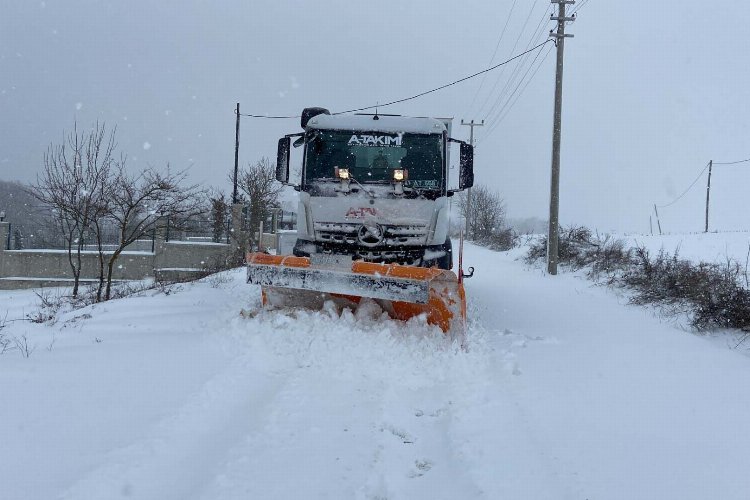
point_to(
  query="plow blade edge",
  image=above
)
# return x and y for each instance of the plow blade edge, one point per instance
(402, 291)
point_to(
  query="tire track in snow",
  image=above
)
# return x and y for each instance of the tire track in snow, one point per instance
(178, 457)
(365, 413)
(509, 457)
(416, 456)
(312, 444)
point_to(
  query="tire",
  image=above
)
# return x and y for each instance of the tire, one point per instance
(446, 262)
(443, 262)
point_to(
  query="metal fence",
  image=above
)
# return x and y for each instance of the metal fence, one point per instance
(199, 230)
(43, 235)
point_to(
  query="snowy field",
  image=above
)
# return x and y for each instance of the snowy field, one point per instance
(708, 247)
(565, 393)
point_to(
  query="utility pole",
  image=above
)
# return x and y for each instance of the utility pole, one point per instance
(468, 191)
(236, 153)
(708, 190)
(554, 202)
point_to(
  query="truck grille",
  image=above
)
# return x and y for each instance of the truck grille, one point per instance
(346, 234)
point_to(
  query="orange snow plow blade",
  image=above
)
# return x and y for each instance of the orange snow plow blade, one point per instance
(402, 291)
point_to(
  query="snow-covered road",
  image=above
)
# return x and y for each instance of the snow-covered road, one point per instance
(563, 393)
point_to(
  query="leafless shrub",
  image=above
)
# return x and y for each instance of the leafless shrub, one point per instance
(576, 247)
(500, 239)
(216, 280)
(5, 341)
(24, 347)
(6, 344)
(487, 225)
(49, 305)
(52, 342)
(260, 190)
(713, 295)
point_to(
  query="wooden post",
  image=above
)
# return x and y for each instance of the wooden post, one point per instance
(658, 223)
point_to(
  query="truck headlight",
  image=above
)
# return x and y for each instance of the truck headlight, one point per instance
(400, 175)
(342, 173)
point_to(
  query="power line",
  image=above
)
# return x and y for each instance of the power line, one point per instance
(579, 7)
(520, 34)
(505, 110)
(503, 98)
(535, 37)
(492, 59)
(541, 63)
(508, 106)
(688, 189)
(731, 162)
(268, 116)
(417, 95)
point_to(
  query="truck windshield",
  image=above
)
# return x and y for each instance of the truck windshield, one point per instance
(373, 156)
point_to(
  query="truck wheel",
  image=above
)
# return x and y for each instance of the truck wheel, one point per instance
(446, 261)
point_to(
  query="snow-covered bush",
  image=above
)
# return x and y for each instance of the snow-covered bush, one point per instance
(578, 247)
(501, 239)
(712, 295)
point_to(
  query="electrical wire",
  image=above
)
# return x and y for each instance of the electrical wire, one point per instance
(688, 189)
(511, 102)
(492, 59)
(267, 116)
(541, 63)
(579, 6)
(509, 105)
(731, 162)
(500, 74)
(397, 101)
(537, 35)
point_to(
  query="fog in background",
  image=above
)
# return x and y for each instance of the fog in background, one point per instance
(652, 90)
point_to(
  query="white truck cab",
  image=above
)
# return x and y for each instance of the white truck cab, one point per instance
(374, 187)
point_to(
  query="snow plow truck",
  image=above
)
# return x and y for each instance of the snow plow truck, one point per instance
(373, 218)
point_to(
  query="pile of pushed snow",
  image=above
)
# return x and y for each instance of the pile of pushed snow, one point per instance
(365, 339)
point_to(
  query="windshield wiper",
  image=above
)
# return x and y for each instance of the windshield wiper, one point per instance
(372, 195)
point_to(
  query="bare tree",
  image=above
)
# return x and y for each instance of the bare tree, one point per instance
(261, 191)
(487, 212)
(74, 185)
(140, 201)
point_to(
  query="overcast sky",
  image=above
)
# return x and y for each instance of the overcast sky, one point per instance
(653, 90)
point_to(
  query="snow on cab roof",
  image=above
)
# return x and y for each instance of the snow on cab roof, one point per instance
(391, 124)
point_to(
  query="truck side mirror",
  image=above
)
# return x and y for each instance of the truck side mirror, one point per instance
(466, 175)
(282, 160)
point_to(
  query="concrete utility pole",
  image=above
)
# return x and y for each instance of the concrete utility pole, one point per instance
(468, 191)
(708, 190)
(554, 202)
